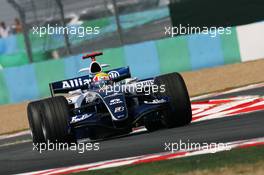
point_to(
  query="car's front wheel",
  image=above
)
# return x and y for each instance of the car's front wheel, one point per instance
(179, 113)
(55, 124)
(34, 112)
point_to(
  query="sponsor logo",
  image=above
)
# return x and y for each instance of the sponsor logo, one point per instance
(69, 101)
(115, 101)
(83, 117)
(75, 83)
(145, 83)
(156, 101)
(113, 74)
(114, 94)
(120, 116)
(119, 109)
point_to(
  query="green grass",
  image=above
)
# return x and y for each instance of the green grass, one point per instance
(211, 162)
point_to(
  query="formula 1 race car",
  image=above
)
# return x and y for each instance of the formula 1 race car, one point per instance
(105, 104)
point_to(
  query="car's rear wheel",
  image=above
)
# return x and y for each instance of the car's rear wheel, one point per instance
(55, 124)
(34, 112)
(179, 113)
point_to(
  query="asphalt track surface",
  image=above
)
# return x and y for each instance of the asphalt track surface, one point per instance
(19, 158)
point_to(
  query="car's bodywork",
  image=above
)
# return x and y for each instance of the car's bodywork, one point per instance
(104, 104)
(97, 112)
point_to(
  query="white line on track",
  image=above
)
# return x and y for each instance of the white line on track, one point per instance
(254, 86)
(16, 142)
(7, 136)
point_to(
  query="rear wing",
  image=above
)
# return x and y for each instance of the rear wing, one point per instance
(119, 74)
(68, 85)
(84, 82)
(92, 55)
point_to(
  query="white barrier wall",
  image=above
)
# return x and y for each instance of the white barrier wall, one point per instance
(251, 41)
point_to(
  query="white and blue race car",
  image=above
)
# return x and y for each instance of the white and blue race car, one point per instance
(105, 104)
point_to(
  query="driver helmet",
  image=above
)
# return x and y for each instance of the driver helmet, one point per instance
(101, 79)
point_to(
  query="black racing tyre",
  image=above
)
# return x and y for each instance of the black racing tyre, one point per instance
(180, 112)
(34, 112)
(152, 126)
(152, 123)
(56, 120)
